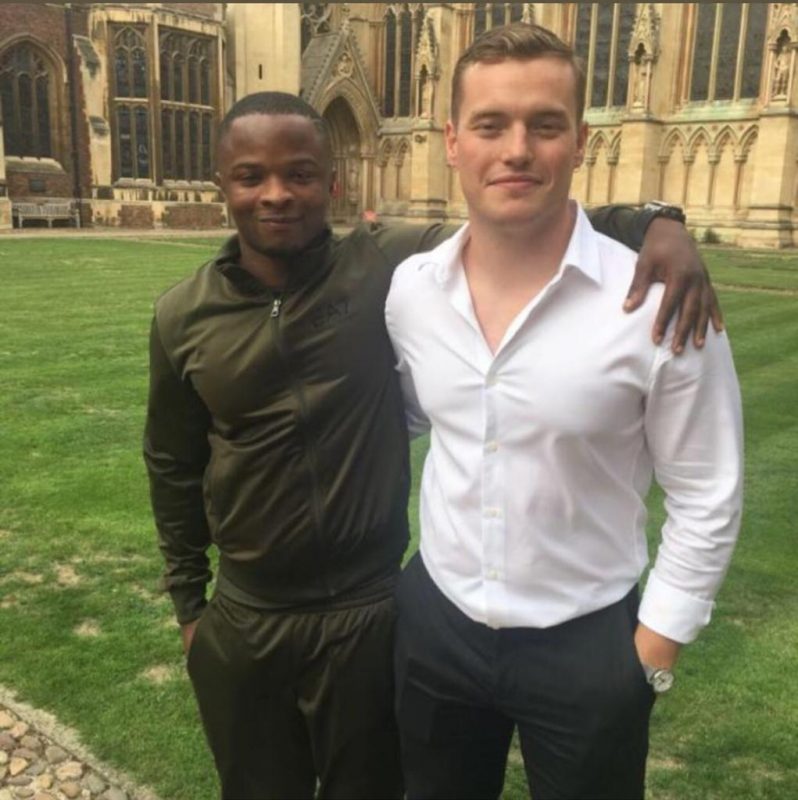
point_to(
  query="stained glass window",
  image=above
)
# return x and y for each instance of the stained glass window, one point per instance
(390, 64)
(753, 49)
(406, 50)
(602, 32)
(130, 63)
(492, 15)
(402, 29)
(702, 51)
(25, 86)
(626, 26)
(186, 92)
(602, 49)
(178, 114)
(132, 135)
(722, 31)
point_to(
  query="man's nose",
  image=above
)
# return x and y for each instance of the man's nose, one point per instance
(517, 148)
(274, 192)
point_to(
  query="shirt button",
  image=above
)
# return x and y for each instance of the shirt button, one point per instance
(492, 446)
(490, 380)
(492, 574)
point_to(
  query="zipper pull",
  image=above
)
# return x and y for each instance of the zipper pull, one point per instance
(278, 301)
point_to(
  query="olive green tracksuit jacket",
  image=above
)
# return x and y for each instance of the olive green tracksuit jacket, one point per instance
(275, 427)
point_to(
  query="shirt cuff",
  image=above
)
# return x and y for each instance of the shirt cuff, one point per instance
(673, 612)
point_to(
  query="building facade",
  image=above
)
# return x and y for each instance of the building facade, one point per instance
(114, 107)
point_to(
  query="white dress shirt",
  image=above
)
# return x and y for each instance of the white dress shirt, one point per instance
(541, 455)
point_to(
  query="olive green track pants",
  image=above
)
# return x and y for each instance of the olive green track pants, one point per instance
(297, 705)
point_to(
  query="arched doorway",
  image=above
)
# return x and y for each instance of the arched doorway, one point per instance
(347, 203)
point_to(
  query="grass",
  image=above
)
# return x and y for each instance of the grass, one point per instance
(85, 634)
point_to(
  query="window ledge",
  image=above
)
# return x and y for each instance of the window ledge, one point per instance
(202, 186)
(134, 183)
(33, 164)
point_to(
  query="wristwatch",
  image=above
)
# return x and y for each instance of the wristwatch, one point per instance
(660, 679)
(656, 208)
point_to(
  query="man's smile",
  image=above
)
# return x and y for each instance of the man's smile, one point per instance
(514, 179)
(279, 220)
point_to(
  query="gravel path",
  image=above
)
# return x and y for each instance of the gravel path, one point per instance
(43, 760)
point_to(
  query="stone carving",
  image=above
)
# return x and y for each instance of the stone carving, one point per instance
(646, 31)
(401, 151)
(643, 53)
(345, 65)
(427, 70)
(784, 17)
(782, 60)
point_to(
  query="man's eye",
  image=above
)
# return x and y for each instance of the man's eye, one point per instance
(248, 179)
(486, 127)
(548, 128)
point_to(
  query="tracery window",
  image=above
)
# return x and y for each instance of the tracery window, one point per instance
(186, 105)
(403, 23)
(728, 46)
(314, 20)
(25, 94)
(492, 15)
(602, 32)
(131, 110)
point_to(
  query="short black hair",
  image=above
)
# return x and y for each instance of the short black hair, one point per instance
(276, 103)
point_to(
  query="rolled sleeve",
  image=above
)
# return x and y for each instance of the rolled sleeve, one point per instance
(694, 430)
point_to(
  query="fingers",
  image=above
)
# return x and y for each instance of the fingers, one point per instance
(672, 300)
(715, 313)
(638, 288)
(702, 323)
(688, 318)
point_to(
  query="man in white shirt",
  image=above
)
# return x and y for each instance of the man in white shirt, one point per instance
(550, 411)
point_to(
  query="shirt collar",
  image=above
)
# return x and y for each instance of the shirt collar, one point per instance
(582, 252)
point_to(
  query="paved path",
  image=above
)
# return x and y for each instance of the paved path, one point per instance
(41, 759)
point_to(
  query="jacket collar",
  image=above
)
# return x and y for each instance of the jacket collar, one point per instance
(302, 267)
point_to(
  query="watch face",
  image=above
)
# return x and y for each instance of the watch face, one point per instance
(662, 680)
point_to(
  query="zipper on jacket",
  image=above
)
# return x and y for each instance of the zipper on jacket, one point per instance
(310, 449)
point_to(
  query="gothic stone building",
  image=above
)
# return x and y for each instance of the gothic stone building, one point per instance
(113, 107)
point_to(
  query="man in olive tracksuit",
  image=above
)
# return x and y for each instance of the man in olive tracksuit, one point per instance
(275, 431)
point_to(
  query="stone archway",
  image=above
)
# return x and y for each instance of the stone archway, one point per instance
(347, 204)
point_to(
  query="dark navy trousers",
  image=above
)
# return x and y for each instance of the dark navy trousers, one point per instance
(576, 692)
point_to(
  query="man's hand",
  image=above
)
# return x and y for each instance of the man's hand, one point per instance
(654, 649)
(669, 255)
(187, 632)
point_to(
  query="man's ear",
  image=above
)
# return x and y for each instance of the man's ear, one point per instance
(450, 136)
(581, 144)
(217, 179)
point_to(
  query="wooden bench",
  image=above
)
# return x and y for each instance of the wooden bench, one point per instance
(48, 211)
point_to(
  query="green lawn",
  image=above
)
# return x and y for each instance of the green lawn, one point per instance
(85, 634)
